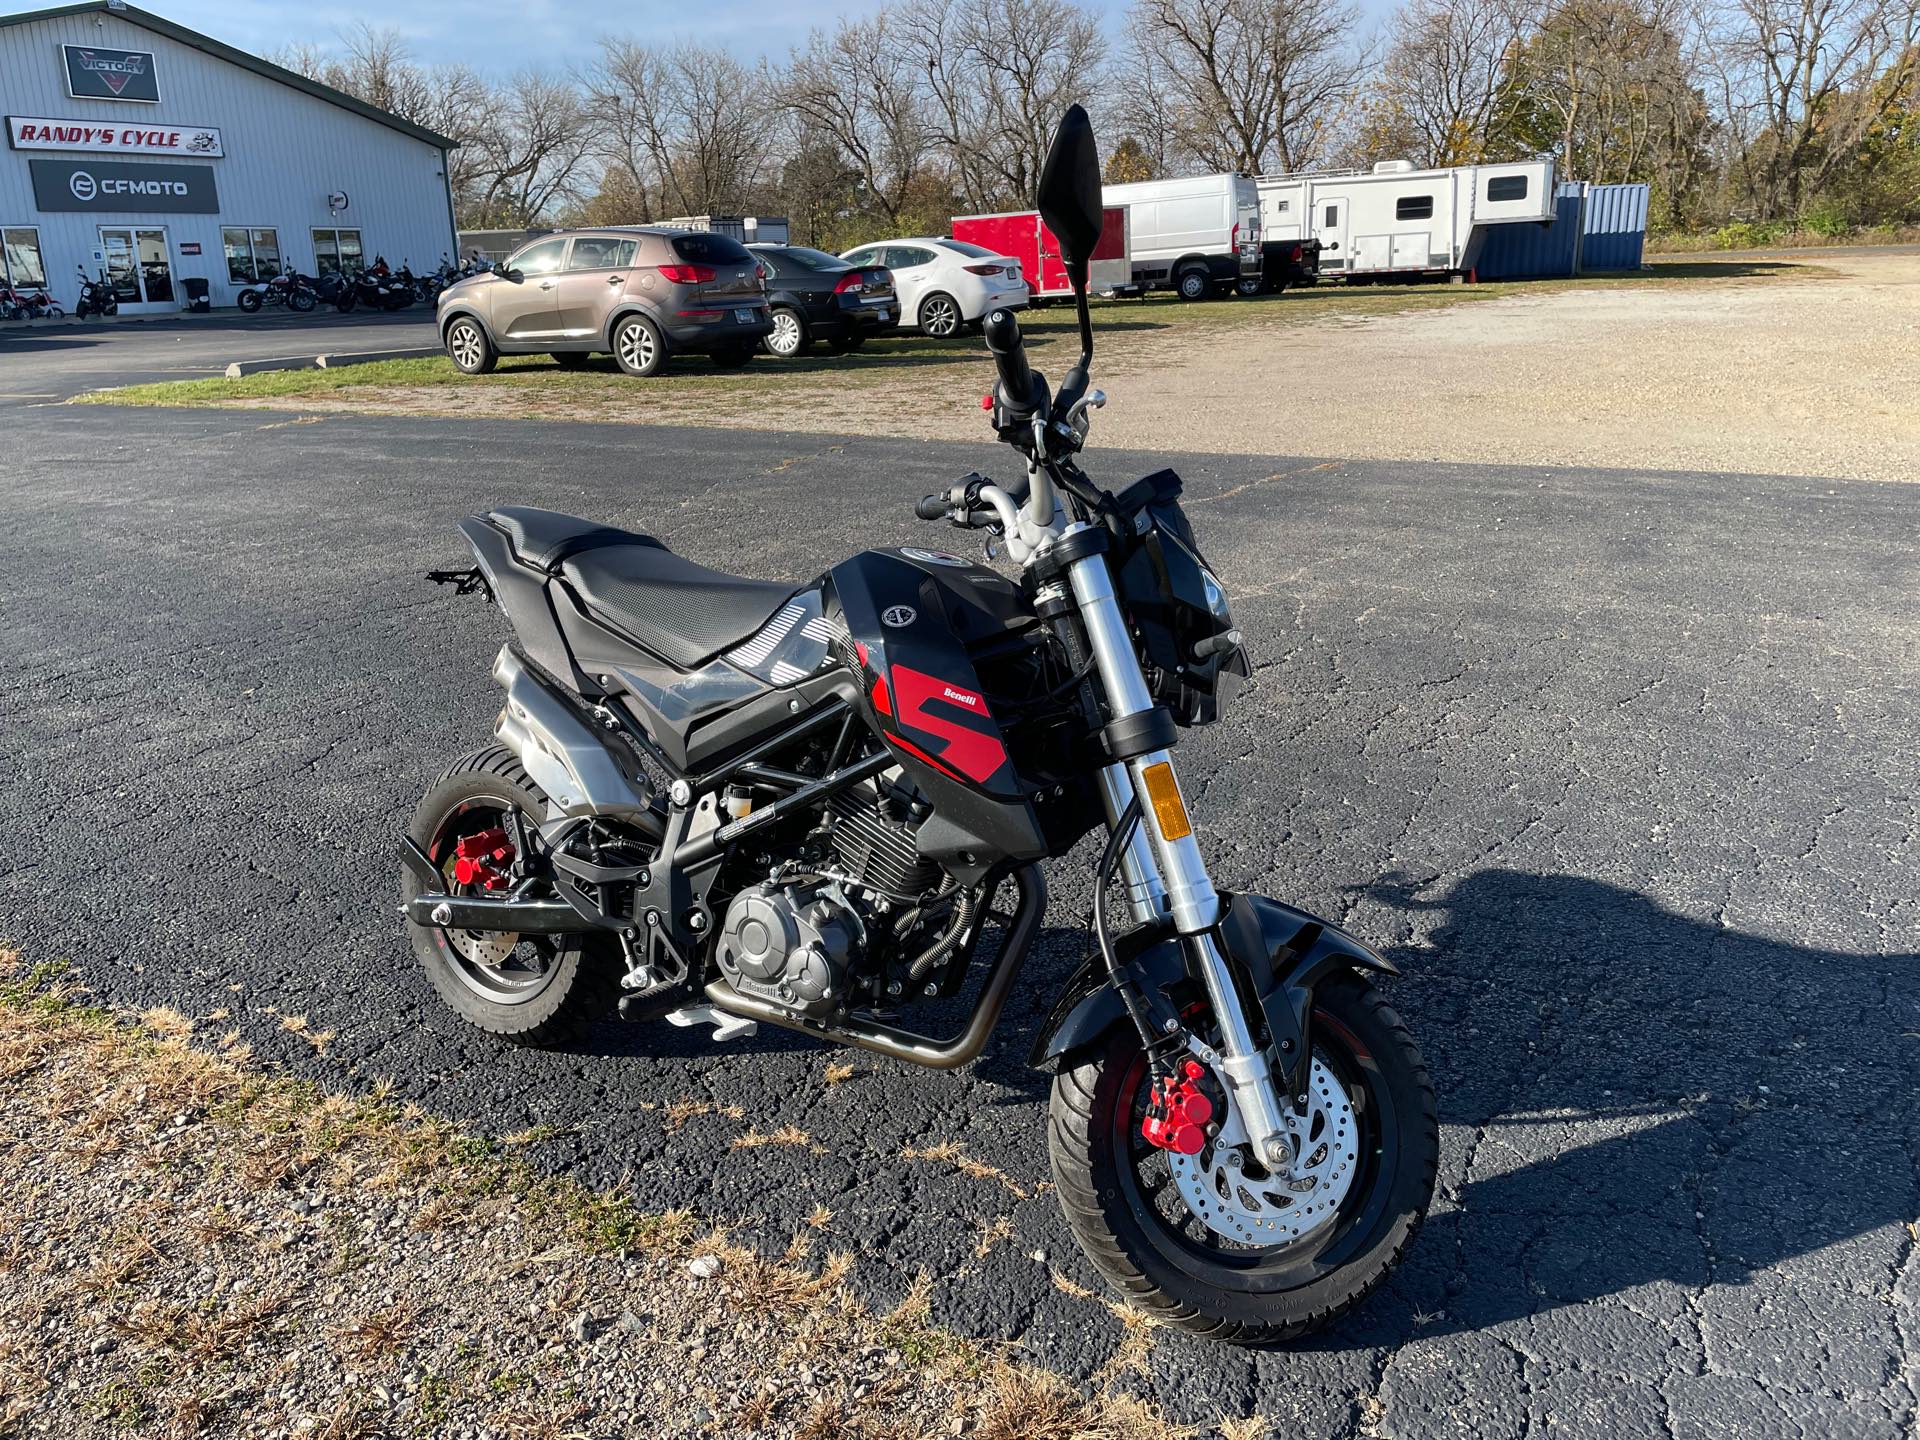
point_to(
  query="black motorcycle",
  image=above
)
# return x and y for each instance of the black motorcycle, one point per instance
(379, 288)
(289, 288)
(726, 801)
(336, 289)
(97, 297)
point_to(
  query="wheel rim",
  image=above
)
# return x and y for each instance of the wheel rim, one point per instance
(785, 339)
(1154, 1193)
(636, 347)
(1192, 287)
(943, 317)
(466, 345)
(502, 967)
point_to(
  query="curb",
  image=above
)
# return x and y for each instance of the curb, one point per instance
(238, 368)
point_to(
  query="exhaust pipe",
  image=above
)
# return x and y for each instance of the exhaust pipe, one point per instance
(564, 757)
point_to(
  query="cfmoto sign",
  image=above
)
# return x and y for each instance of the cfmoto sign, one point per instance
(117, 187)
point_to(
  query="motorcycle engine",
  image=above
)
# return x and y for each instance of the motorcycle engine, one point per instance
(790, 943)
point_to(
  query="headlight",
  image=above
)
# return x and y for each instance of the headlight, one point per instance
(1216, 596)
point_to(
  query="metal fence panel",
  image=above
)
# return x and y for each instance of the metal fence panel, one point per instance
(1616, 227)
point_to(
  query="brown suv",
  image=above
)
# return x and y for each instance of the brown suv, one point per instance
(639, 294)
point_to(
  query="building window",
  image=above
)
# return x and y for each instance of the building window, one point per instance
(1413, 207)
(253, 256)
(337, 251)
(23, 268)
(1507, 187)
(1333, 218)
(1280, 207)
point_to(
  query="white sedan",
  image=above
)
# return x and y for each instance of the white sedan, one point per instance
(946, 284)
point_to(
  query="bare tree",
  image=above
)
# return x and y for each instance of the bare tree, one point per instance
(859, 86)
(998, 78)
(1798, 81)
(1445, 90)
(533, 155)
(680, 130)
(1251, 84)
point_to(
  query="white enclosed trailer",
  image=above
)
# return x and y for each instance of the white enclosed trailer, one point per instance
(1395, 219)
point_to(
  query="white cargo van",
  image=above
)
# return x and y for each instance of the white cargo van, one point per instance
(1192, 235)
(1395, 219)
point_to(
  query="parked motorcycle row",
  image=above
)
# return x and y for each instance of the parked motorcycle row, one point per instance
(376, 287)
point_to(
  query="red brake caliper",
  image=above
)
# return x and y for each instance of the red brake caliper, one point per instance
(1178, 1113)
(483, 859)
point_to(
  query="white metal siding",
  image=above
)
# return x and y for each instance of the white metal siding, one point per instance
(286, 150)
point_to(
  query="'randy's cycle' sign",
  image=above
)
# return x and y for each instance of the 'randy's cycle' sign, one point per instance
(36, 132)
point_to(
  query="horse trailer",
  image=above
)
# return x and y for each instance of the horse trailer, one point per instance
(1396, 220)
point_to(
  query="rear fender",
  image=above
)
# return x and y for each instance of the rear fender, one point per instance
(1282, 954)
(522, 594)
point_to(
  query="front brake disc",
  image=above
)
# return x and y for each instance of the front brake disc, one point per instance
(1238, 1199)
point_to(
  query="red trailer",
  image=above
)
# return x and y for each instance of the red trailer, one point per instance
(1021, 235)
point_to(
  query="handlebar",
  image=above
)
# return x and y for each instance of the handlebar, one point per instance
(933, 507)
(1002, 332)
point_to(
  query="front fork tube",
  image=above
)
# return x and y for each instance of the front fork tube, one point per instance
(1171, 874)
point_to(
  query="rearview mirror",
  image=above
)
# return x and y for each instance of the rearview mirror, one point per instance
(1070, 191)
(501, 271)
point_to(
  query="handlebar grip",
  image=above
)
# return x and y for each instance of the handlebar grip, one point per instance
(1010, 356)
(932, 507)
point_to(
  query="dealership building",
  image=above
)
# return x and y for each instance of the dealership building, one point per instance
(150, 154)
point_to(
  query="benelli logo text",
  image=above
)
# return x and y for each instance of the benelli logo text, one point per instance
(971, 701)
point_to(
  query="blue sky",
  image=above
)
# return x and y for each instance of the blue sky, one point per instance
(499, 36)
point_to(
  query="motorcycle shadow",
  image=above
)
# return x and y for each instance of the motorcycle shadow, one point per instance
(1640, 1104)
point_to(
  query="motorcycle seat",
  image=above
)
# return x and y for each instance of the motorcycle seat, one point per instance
(545, 538)
(669, 606)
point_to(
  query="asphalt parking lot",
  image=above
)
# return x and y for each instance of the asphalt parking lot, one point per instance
(1619, 766)
(41, 361)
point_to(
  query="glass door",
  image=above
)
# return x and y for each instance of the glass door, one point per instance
(139, 267)
(156, 266)
(123, 276)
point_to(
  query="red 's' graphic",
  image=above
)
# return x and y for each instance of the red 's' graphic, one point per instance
(968, 751)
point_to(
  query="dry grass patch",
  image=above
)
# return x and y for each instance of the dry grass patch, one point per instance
(948, 1152)
(234, 1255)
(785, 1135)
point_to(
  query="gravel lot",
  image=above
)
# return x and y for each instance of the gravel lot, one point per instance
(1805, 367)
(1634, 806)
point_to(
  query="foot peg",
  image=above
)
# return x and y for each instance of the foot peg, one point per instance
(725, 1026)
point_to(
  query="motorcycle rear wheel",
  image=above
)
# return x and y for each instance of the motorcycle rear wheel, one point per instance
(248, 300)
(1127, 1214)
(544, 991)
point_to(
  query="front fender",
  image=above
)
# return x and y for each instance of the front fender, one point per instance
(1281, 953)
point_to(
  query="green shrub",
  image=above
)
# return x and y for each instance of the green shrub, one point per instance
(1826, 220)
(1748, 235)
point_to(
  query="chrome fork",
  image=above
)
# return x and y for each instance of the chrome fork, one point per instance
(1163, 863)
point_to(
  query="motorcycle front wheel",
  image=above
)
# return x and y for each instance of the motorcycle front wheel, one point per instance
(1213, 1243)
